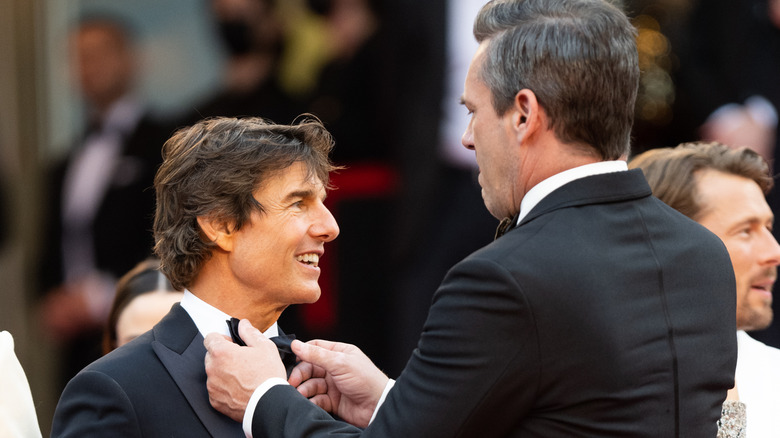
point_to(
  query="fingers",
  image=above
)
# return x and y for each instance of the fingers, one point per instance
(301, 373)
(214, 340)
(324, 402)
(328, 345)
(313, 387)
(318, 352)
(249, 333)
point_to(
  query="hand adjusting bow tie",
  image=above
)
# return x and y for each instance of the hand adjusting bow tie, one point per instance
(282, 342)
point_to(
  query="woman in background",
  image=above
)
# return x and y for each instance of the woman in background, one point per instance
(143, 297)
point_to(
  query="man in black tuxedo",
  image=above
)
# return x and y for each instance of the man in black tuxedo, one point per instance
(240, 226)
(598, 311)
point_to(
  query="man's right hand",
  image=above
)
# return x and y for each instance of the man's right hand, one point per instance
(338, 378)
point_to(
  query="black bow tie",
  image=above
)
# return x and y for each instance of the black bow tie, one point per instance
(505, 225)
(283, 344)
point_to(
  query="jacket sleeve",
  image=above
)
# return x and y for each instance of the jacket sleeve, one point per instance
(94, 405)
(479, 333)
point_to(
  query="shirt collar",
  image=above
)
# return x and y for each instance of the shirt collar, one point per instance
(209, 319)
(547, 186)
(123, 115)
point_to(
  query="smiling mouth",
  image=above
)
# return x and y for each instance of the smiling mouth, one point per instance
(309, 259)
(763, 289)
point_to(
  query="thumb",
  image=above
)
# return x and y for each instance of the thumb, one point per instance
(251, 336)
(214, 339)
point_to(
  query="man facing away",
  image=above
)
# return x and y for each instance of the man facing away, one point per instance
(724, 189)
(240, 225)
(586, 318)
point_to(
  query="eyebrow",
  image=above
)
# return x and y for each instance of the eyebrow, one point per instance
(304, 193)
(752, 221)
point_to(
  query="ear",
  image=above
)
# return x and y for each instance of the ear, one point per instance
(527, 117)
(218, 231)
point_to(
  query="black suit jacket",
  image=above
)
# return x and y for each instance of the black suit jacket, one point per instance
(605, 313)
(155, 386)
(122, 227)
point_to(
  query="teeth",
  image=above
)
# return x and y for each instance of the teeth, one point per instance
(312, 259)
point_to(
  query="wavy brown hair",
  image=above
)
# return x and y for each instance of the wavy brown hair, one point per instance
(212, 168)
(672, 172)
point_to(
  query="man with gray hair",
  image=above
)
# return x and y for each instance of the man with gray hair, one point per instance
(584, 318)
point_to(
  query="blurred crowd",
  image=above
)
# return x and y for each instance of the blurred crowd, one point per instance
(385, 78)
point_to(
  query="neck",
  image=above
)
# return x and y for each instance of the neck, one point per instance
(557, 158)
(232, 298)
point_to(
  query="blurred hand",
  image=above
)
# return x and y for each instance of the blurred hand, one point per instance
(233, 372)
(338, 378)
(66, 312)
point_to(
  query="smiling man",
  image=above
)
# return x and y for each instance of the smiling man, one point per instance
(724, 189)
(240, 226)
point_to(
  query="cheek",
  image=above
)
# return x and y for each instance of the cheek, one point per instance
(741, 260)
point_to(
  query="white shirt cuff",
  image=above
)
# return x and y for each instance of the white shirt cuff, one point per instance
(255, 398)
(389, 386)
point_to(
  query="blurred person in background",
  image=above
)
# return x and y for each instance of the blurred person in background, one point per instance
(350, 93)
(143, 296)
(439, 205)
(251, 34)
(99, 203)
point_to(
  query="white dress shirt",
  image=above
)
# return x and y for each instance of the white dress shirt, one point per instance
(209, 319)
(758, 383)
(547, 186)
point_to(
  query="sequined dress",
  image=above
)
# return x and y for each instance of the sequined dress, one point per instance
(732, 420)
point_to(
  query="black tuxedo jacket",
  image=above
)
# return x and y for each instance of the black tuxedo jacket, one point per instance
(122, 227)
(604, 313)
(155, 386)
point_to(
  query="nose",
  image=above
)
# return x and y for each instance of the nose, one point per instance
(468, 138)
(771, 249)
(324, 227)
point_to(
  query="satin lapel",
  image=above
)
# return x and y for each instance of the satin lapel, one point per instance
(180, 348)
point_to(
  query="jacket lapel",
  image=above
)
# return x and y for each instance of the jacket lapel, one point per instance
(179, 346)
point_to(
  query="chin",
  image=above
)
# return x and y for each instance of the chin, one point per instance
(310, 297)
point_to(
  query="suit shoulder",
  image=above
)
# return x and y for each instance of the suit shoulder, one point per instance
(130, 359)
(94, 404)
